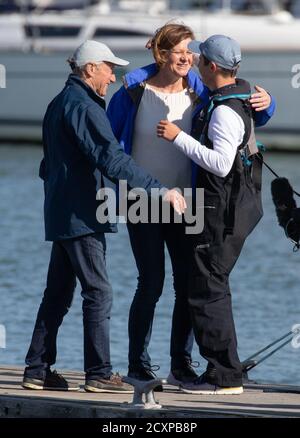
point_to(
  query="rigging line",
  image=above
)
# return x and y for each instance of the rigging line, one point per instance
(255, 363)
(270, 345)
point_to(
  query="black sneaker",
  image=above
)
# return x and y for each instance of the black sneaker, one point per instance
(145, 374)
(113, 383)
(52, 382)
(186, 374)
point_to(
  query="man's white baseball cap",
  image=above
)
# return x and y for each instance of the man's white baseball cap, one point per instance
(93, 51)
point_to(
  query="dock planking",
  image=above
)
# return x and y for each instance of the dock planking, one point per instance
(262, 401)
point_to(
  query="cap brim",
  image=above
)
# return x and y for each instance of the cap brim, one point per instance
(118, 61)
(194, 46)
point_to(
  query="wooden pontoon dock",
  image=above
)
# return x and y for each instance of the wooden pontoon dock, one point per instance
(275, 401)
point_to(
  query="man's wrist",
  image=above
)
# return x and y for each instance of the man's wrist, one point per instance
(176, 135)
(179, 139)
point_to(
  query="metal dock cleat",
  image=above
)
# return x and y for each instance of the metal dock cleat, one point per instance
(143, 397)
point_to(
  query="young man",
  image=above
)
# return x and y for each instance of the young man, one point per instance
(232, 208)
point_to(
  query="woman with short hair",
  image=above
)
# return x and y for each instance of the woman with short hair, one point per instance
(168, 89)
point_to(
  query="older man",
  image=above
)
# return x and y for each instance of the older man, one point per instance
(79, 152)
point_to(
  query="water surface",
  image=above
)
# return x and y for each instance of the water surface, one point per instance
(265, 283)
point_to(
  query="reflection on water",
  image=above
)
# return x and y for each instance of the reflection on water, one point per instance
(265, 284)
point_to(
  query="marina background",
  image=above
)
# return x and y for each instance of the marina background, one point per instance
(265, 283)
(37, 37)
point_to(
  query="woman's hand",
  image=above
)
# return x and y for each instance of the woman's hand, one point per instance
(260, 101)
(167, 130)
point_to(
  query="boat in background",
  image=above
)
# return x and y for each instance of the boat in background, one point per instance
(36, 40)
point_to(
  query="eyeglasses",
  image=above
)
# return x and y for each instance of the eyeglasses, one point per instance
(181, 53)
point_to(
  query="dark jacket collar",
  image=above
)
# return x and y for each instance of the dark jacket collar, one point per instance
(240, 87)
(74, 80)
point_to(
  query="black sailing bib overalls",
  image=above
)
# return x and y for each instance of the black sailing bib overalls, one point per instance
(232, 208)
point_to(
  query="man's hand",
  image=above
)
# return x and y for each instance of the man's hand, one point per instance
(167, 130)
(176, 200)
(261, 100)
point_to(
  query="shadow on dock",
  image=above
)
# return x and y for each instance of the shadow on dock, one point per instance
(258, 400)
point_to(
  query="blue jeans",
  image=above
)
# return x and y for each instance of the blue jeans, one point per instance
(82, 257)
(148, 245)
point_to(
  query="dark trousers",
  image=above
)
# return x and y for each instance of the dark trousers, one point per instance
(84, 258)
(213, 256)
(148, 245)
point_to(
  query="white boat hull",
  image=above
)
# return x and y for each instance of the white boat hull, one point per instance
(36, 68)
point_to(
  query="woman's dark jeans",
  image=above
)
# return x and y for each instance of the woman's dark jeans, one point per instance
(148, 242)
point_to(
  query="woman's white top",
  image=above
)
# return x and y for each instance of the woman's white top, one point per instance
(169, 165)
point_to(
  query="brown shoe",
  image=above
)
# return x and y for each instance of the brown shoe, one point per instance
(113, 383)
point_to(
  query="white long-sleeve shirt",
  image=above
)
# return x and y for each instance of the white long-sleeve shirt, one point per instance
(226, 131)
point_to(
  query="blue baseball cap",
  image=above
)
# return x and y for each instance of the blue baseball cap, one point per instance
(221, 49)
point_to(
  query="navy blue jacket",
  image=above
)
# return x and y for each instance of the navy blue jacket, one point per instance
(80, 150)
